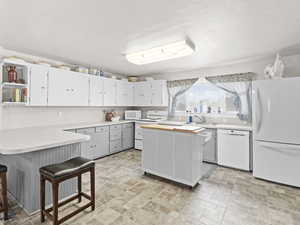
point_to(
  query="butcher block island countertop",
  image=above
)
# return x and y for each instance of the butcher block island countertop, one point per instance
(173, 152)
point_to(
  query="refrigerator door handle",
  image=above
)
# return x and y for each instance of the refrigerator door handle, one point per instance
(258, 111)
(269, 105)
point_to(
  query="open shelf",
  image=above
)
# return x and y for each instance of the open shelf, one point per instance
(13, 103)
(14, 91)
(13, 85)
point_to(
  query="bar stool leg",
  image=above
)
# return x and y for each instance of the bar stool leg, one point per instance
(42, 197)
(79, 188)
(92, 173)
(4, 195)
(55, 187)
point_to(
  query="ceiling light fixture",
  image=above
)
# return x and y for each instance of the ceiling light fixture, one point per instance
(161, 53)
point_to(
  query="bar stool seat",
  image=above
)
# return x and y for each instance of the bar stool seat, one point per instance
(60, 172)
(3, 168)
(67, 167)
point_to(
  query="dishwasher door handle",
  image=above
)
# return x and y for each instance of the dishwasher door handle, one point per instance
(237, 134)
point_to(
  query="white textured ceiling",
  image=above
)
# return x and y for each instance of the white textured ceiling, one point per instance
(98, 32)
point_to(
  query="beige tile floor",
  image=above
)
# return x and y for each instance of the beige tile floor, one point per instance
(226, 197)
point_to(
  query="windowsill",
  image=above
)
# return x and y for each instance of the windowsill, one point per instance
(208, 115)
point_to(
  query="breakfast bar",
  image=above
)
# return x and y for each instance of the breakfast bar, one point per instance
(25, 150)
(173, 152)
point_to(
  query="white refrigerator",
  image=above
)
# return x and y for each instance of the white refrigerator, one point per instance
(276, 134)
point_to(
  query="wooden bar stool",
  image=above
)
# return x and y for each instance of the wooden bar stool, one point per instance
(58, 173)
(4, 202)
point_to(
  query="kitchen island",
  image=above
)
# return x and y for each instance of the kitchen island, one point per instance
(173, 152)
(25, 150)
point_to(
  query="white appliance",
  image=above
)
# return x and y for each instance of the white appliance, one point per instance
(152, 116)
(276, 122)
(133, 114)
(233, 149)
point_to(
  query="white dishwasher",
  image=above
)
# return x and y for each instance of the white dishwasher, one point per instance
(234, 149)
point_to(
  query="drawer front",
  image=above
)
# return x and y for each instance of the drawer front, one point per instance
(115, 133)
(139, 134)
(102, 129)
(127, 125)
(86, 130)
(115, 146)
(115, 127)
(115, 136)
(138, 144)
(127, 143)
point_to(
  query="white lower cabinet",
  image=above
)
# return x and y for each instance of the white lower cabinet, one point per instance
(88, 148)
(115, 138)
(115, 146)
(105, 140)
(127, 136)
(101, 137)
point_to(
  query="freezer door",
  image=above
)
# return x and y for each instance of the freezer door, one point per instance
(276, 110)
(277, 162)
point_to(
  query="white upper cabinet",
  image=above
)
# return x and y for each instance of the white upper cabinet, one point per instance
(67, 88)
(110, 92)
(96, 91)
(124, 93)
(57, 87)
(159, 93)
(38, 85)
(142, 94)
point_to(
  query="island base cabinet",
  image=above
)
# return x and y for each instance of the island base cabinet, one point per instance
(173, 155)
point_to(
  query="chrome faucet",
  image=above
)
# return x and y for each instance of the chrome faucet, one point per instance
(201, 118)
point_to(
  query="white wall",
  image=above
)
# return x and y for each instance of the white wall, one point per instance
(16, 117)
(292, 68)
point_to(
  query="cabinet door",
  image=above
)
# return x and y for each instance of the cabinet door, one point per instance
(79, 84)
(210, 147)
(110, 98)
(38, 89)
(164, 164)
(150, 146)
(96, 91)
(67, 88)
(58, 88)
(142, 94)
(127, 136)
(159, 93)
(124, 93)
(88, 148)
(101, 141)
